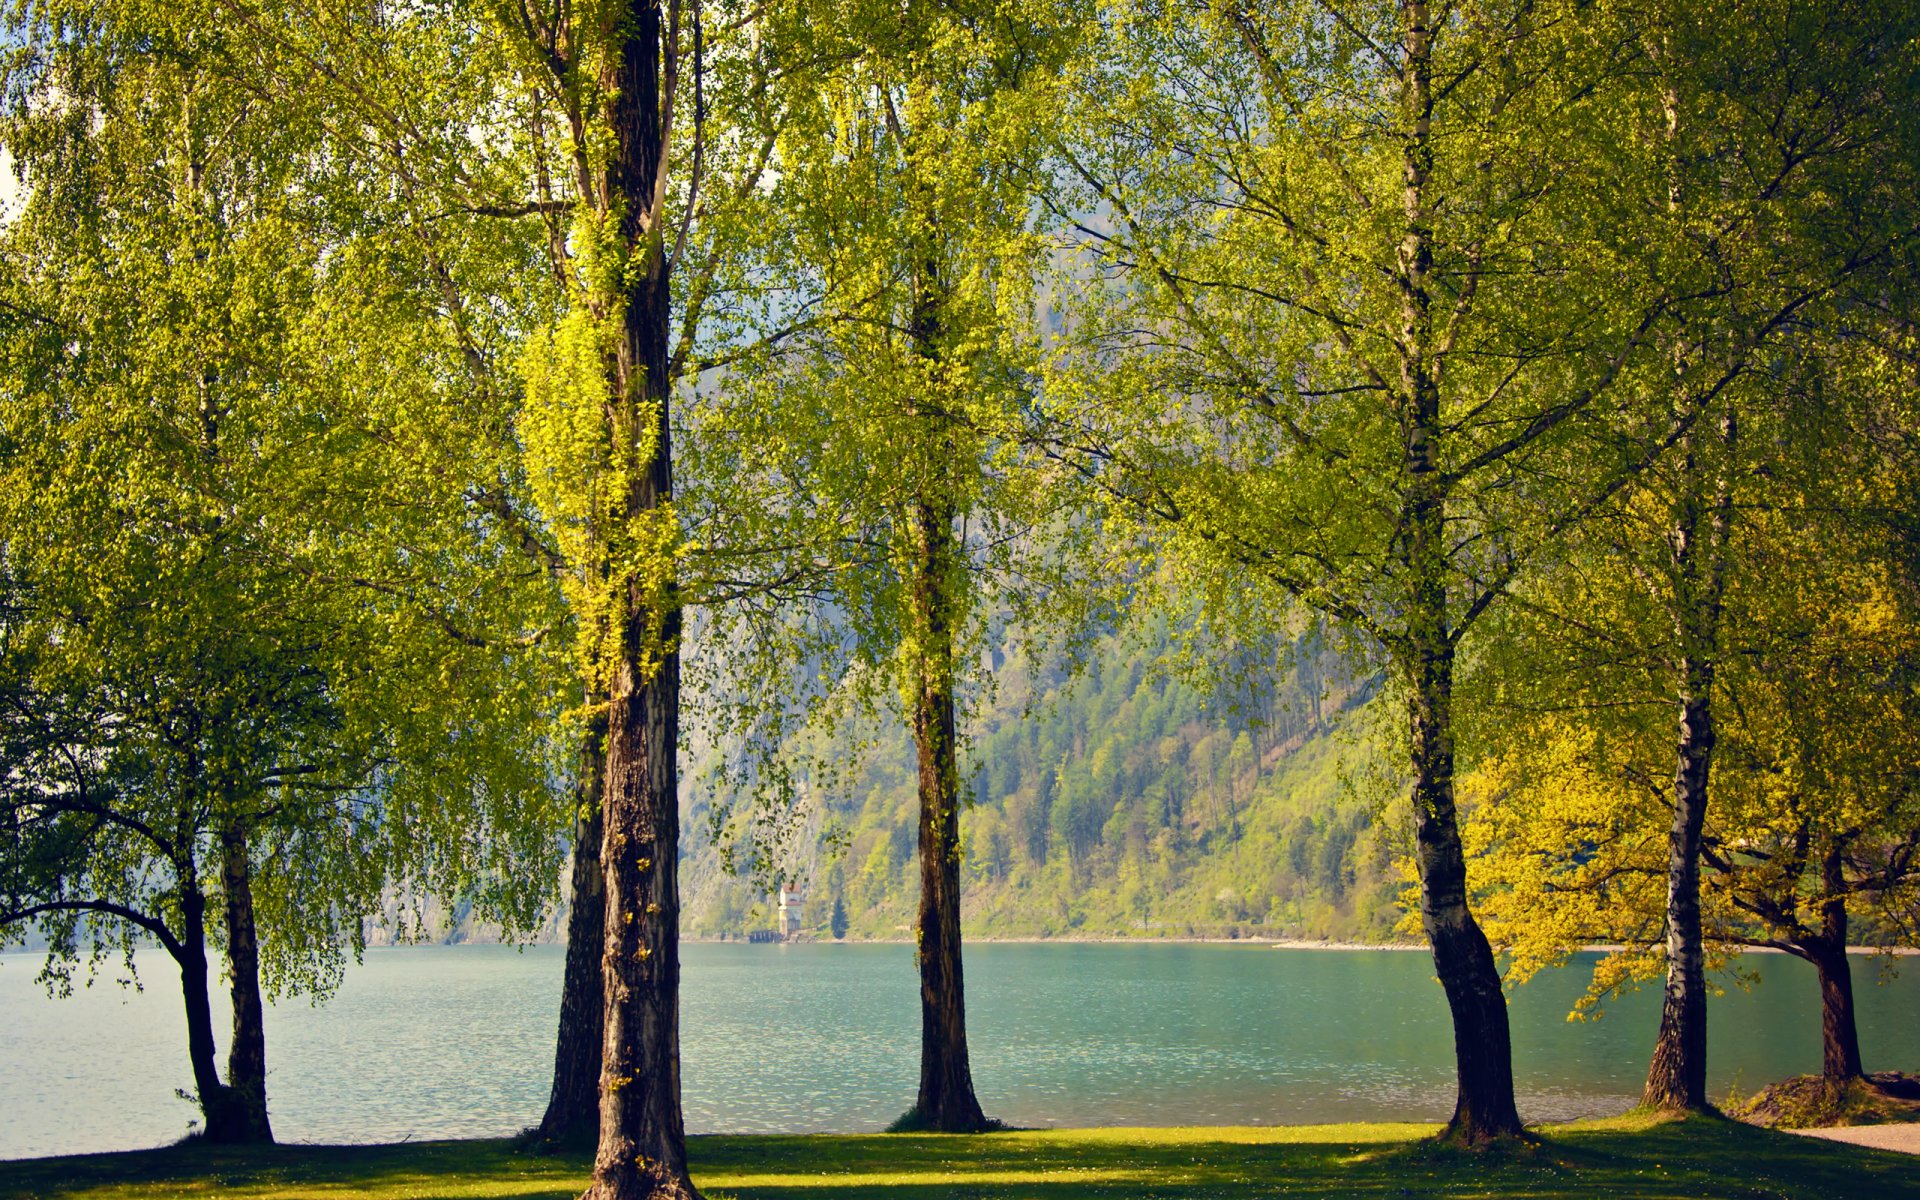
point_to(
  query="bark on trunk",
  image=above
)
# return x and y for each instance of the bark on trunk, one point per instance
(573, 1107)
(946, 1100)
(642, 1138)
(217, 1108)
(247, 1056)
(1839, 1035)
(1484, 1107)
(1677, 1076)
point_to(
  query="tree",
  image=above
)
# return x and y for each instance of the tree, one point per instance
(446, 148)
(1412, 280)
(605, 375)
(1820, 84)
(1821, 799)
(653, 133)
(594, 154)
(1811, 808)
(905, 238)
(432, 104)
(1372, 345)
(837, 923)
(216, 663)
(1776, 132)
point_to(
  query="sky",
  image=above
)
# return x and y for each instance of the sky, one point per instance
(9, 186)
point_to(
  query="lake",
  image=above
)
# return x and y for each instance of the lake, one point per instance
(434, 1042)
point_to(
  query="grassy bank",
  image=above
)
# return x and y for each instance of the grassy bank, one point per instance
(1627, 1157)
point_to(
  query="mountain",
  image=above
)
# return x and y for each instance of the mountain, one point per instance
(1126, 799)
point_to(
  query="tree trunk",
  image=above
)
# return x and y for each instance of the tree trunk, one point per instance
(1483, 1108)
(217, 1108)
(1677, 1077)
(642, 1138)
(247, 1056)
(946, 1101)
(1839, 1035)
(573, 1108)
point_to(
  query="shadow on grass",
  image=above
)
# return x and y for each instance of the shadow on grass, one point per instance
(1699, 1157)
(489, 1169)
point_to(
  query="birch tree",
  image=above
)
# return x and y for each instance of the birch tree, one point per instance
(904, 244)
(1390, 297)
(238, 550)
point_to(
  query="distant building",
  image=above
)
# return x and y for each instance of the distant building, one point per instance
(786, 920)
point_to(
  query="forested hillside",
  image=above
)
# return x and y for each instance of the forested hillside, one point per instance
(1125, 800)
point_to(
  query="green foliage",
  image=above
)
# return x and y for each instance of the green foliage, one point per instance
(1270, 286)
(1814, 698)
(1371, 335)
(246, 580)
(581, 472)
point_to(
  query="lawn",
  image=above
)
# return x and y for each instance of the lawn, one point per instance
(1626, 1157)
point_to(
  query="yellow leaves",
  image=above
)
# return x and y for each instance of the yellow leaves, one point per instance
(1620, 971)
(563, 426)
(599, 257)
(587, 451)
(1563, 848)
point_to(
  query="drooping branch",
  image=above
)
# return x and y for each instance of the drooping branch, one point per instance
(132, 916)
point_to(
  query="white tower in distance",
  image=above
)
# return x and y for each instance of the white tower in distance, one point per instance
(787, 920)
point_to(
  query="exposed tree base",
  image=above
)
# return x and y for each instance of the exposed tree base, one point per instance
(231, 1121)
(236, 1119)
(1677, 1078)
(646, 1182)
(564, 1139)
(913, 1121)
(1677, 1074)
(1676, 1107)
(1814, 1101)
(1441, 1156)
(1467, 1136)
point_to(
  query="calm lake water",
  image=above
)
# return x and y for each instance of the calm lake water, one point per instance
(430, 1042)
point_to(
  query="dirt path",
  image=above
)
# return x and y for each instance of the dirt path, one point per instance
(1903, 1138)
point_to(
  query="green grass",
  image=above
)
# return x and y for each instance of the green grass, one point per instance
(1626, 1157)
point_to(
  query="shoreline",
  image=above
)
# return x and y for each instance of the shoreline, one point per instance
(1261, 942)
